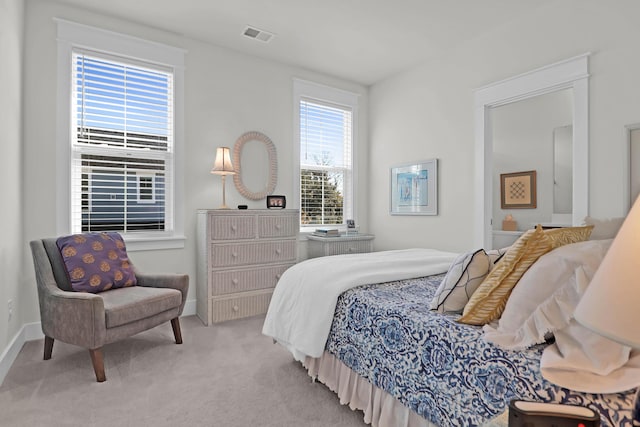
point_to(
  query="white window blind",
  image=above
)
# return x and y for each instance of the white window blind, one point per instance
(122, 145)
(326, 166)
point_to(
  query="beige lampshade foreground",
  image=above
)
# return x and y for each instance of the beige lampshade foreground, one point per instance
(611, 303)
(222, 164)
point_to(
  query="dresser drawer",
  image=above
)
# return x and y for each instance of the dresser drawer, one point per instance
(339, 245)
(234, 254)
(353, 247)
(277, 226)
(232, 227)
(238, 307)
(231, 281)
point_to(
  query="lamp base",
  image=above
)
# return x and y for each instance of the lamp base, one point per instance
(224, 196)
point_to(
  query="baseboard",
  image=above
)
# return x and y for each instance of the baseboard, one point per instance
(28, 332)
(10, 353)
(189, 308)
(33, 331)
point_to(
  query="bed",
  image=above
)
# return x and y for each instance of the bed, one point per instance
(364, 325)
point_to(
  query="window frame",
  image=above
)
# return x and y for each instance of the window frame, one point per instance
(72, 36)
(304, 90)
(152, 177)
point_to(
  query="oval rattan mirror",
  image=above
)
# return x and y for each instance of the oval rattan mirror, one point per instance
(272, 171)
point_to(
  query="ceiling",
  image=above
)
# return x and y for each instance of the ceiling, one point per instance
(363, 41)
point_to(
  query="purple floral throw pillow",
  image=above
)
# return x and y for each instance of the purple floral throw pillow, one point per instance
(96, 262)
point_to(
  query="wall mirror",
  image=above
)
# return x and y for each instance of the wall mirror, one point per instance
(632, 167)
(571, 75)
(535, 134)
(256, 163)
(562, 174)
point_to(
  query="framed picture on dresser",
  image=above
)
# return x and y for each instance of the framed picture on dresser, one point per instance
(276, 202)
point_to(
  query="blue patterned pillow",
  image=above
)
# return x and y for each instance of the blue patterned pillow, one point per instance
(465, 274)
(96, 262)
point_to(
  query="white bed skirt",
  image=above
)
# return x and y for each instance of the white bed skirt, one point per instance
(379, 407)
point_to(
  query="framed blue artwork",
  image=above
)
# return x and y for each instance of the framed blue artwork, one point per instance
(414, 188)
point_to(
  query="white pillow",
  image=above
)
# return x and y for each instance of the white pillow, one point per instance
(465, 274)
(496, 255)
(582, 360)
(604, 228)
(538, 302)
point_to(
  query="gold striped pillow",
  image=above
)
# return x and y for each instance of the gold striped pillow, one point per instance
(567, 235)
(488, 301)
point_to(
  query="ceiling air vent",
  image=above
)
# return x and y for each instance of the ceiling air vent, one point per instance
(258, 34)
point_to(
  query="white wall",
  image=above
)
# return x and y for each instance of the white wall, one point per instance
(226, 94)
(11, 245)
(428, 111)
(523, 141)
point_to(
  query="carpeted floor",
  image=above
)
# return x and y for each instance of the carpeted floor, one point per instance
(226, 375)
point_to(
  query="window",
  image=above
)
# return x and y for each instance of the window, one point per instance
(123, 126)
(122, 118)
(325, 123)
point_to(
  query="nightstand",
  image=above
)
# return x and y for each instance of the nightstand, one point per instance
(343, 244)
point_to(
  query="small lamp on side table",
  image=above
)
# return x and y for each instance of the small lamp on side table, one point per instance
(222, 166)
(611, 304)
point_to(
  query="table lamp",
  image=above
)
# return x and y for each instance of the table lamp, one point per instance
(222, 166)
(611, 304)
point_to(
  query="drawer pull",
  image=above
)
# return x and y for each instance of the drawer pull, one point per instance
(352, 249)
(234, 254)
(234, 281)
(278, 276)
(233, 227)
(235, 308)
(278, 226)
(278, 251)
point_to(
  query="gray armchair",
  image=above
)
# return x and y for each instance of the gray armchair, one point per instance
(93, 320)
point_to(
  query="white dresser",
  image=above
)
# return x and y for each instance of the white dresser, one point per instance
(241, 255)
(343, 244)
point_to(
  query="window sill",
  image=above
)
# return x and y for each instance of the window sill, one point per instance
(151, 243)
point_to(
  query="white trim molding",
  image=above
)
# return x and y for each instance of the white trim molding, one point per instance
(304, 89)
(71, 35)
(28, 332)
(189, 308)
(572, 73)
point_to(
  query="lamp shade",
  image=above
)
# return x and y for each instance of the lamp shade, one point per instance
(222, 164)
(611, 303)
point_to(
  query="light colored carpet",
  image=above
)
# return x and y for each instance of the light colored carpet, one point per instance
(226, 375)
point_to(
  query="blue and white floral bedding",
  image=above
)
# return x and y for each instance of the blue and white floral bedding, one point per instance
(439, 368)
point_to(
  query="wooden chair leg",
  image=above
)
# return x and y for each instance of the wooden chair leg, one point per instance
(98, 364)
(175, 324)
(48, 347)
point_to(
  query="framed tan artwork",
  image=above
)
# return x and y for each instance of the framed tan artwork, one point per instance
(518, 190)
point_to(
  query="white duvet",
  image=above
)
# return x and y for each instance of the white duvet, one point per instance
(304, 300)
